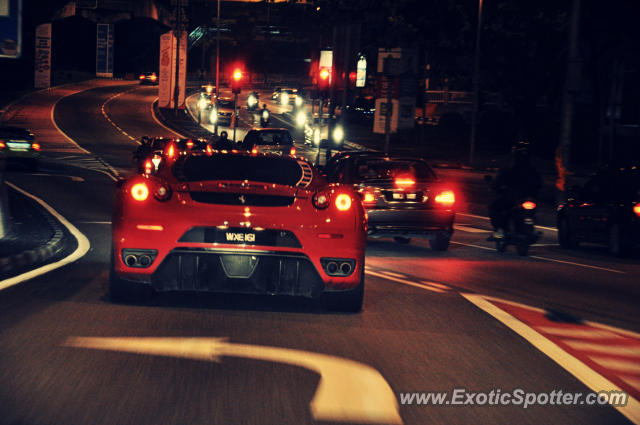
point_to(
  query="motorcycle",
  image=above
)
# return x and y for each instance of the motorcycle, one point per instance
(265, 118)
(520, 229)
(252, 101)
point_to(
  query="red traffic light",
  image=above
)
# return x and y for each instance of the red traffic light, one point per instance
(237, 75)
(324, 74)
(236, 81)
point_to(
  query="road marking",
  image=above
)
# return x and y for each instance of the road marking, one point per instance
(393, 274)
(470, 229)
(73, 178)
(437, 285)
(486, 248)
(405, 282)
(153, 115)
(96, 222)
(104, 112)
(80, 251)
(577, 333)
(73, 142)
(605, 347)
(348, 391)
(551, 229)
(620, 365)
(586, 266)
(571, 364)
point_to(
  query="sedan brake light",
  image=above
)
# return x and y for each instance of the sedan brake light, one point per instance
(140, 191)
(529, 205)
(35, 146)
(142, 76)
(446, 198)
(636, 209)
(404, 182)
(2, 145)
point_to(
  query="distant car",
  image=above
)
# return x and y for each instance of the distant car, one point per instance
(18, 144)
(605, 211)
(316, 133)
(269, 140)
(208, 89)
(285, 96)
(253, 100)
(223, 112)
(240, 223)
(149, 78)
(403, 197)
(362, 108)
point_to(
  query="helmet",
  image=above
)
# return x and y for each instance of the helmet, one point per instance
(223, 134)
(520, 150)
(264, 106)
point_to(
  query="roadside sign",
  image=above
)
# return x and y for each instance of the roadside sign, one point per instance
(104, 50)
(10, 28)
(166, 89)
(42, 76)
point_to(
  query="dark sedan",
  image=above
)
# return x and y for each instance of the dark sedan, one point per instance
(18, 144)
(605, 211)
(403, 197)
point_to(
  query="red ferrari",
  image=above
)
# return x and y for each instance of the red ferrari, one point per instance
(241, 223)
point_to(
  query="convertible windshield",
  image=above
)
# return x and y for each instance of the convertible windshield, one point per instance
(277, 170)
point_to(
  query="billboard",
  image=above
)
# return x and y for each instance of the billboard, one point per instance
(10, 28)
(42, 77)
(104, 50)
(166, 89)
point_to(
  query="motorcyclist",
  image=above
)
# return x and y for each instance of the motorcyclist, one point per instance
(264, 115)
(520, 180)
(223, 142)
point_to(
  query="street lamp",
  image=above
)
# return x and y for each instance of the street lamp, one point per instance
(476, 89)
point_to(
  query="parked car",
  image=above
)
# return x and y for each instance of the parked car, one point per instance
(403, 197)
(606, 210)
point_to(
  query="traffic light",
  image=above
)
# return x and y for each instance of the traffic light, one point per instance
(324, 79)
(236, 81)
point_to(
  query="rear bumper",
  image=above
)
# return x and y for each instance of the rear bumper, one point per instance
(410, 223)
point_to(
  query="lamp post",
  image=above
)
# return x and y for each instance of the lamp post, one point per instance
(476, 89)
(215, 125)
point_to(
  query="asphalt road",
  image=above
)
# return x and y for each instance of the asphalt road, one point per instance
(418, 331)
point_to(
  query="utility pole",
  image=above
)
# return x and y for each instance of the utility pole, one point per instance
(215, 125)
(389, 105)
(476, 89)
(571, 85)
(178, 31)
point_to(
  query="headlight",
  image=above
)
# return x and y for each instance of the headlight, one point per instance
(251, 100)
(338, 134)
(265, 115)
(285, 98)
(299, 101)
(202, 103)
(316, 137)
(301, 118)
(213, 117)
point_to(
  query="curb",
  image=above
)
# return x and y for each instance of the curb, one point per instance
(37, 255)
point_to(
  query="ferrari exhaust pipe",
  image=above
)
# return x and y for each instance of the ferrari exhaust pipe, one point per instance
(345, 268)
(144, 260)
(130, 260)
(332, 267)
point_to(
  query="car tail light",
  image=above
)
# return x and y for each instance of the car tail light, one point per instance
(254, 151)
(153, 77)
(368, 198)
(171, 151)
(446, 198)
(142, 76)
(148, 166)
(209, 150)
(140, 191)
(162, 193)
(529, 205)
(636, 209)
(2, 145)
(35, 146)
(190, 144)
(343, 202)
(292, 151)
(321, 200)
(404, 182)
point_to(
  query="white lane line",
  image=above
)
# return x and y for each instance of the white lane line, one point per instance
(582, 372)
(571, 263)
(481, 217)
(393, 274)
(628, 366)
(104, 112)
(470, 229)
(153, 114)
(605, 347)
(73, 178)
(348, 391)
(486, 248)
(405, 282)
(81, 250)
(437, 285)
(73, 142)
(95, 222)
(577, 333)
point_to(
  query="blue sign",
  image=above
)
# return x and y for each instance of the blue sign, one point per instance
(104, 50)
(10, 28)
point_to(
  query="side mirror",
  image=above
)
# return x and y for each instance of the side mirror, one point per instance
(488, 178)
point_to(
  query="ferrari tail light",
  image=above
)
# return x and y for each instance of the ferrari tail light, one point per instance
(636, 209)
(404, 182)
(162, 193)
(321, 200)
(446, 198)
(35, 146)
(529, 205)
(292, 151)
(343, 202)
(140, 191)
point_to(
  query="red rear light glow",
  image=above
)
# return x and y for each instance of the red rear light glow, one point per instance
(35, 146)
(528, 205)
(155, 227)
(148, 166)
(190, 144)
(2, 145)
(171, 152)
(254, 151)
(142, 76)
(153, 77)
(343, 202)
(404, 182)
(140, 191)
(636, 209)
(209, 150)
(292, 151)
(369, 198)
(446, 198)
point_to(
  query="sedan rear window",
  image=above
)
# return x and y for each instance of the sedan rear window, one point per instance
(272, 138)
(279, 170)
(381, 169)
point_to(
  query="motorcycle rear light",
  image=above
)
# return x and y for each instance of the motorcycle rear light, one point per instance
(254, 151)
(446, 198)
(636, 209)
(190, 144)
(343, 202)
(35, 146)
(529, 205)
(162, 193)
(292, 151)
(321, 200)
(140, 191)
